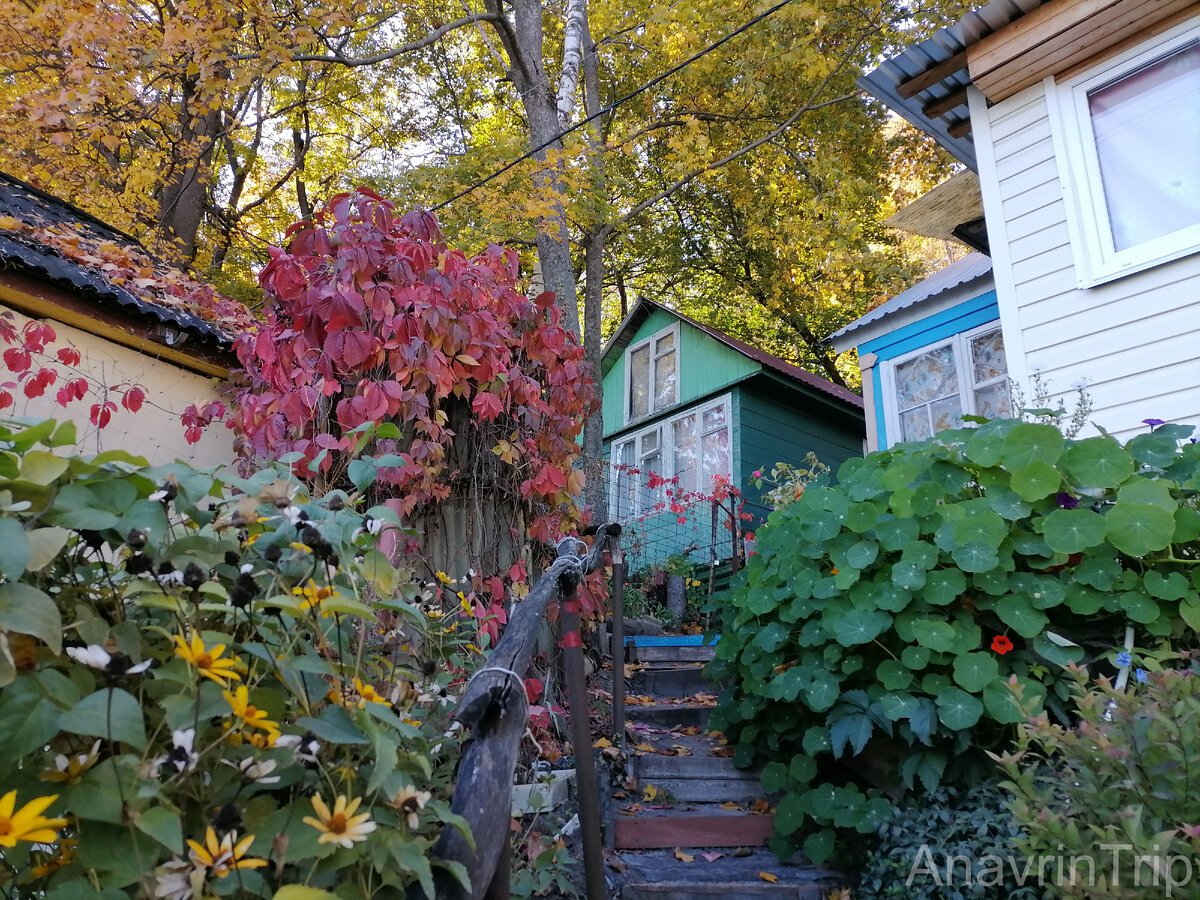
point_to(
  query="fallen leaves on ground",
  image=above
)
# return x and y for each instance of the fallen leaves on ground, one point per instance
(768, 877)
(602, 743)
(684, 857)
(722, 752)
(729, 804)
(644, 748)
(642, 700)
(650, 793)
(761, 807)
(711, 856)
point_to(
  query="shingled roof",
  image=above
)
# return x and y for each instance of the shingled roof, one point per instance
(644, 307)
(47, 238)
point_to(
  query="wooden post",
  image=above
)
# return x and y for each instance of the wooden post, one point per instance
(617, 641)
(581, 740)
(495, 709)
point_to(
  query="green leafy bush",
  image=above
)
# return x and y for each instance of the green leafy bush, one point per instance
(1113, 798)
(211, 687)
(877, 632)
(949, 843)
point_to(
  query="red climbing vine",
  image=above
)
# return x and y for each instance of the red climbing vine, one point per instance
(372, 318)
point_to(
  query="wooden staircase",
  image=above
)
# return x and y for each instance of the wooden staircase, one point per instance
(689, 824)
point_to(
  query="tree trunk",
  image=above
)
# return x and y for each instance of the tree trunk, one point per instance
(185, 193)
(523, 41)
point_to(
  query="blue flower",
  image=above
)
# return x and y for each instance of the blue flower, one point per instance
(1066, 501)
(1153, 423)
(1124, 658)
(1140, 675)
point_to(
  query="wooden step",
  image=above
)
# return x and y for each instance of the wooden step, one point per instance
(660, 875)
(683, 828)
(686, 890)
(671, 648)
(704, 790)
(671, 715)
(669, 680)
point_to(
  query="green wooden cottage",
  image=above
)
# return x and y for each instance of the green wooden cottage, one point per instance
(685, 404)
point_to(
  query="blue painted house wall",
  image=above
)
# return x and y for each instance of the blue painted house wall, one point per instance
(941, 325)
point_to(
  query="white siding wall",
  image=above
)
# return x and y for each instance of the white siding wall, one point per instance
(1136, 340)
(154, 431)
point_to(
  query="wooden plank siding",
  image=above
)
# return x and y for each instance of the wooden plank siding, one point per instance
(779, 424)
(1135, 339)
(703, 367)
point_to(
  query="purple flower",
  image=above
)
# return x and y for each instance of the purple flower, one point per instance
(1153, 423)
(1066, 501)
(1140, 675)
(758, 473)
(1124, 658)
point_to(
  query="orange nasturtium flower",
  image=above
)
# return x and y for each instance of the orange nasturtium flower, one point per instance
(225, 855)
(1001, 644)
(27, 823)
(206, 661)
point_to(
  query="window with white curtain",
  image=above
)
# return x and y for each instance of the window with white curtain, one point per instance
(651, 374)
(690, 449)
(1128, 144)
(932, 388)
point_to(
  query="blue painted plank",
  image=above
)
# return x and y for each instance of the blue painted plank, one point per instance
(963, 317)
(668, 640)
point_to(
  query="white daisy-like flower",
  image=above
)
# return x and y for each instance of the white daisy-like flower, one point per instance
(340, 825)
(97, 657)
(257, 771)
(173, 881)
(410, 802)
(246, 568)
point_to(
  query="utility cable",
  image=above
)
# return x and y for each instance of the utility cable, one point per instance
(635, 92)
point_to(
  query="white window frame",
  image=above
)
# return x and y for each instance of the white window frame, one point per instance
(666, 445)
(627, 396)
(967, 385)
(1097, 261)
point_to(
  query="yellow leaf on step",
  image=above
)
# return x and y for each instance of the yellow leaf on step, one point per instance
(768, 877)
(644, 748)
(729, 804)
(602, 743)
(649, 792)
(684, 857)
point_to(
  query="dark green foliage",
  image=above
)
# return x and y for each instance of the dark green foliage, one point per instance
(884, 623)
(950, 824)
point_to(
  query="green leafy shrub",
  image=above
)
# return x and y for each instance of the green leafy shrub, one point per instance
(877, 631)
(212, 687)
(1112, 799)
(927, 845)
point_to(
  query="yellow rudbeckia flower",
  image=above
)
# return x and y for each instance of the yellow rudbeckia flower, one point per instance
(225, 855)
(340, 825)
(27, 823)
(207, 662)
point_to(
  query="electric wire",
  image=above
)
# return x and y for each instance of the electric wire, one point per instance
(607, 109)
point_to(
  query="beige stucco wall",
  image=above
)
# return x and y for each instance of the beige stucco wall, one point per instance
(154, 431)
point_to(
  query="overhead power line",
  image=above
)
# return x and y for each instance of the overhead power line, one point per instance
(635, 92)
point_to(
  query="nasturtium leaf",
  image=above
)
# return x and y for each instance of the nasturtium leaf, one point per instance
(986, 448)
(897, 706)
(818, 846)
(1172, 586)
(983, 528)
(935, 635)
(1098, 571)
(974, 671)
(1187, 525)
(862, 516)
(895, 534)
(1083, 600)
(1073, 530)
(26, 610)
(859, 626)
(1138, 607)
(823, 692)
(1157, 448)
(862, 554)
(789, 814)
(944, 586)
(771, 636)
(957, 709)
(908, 575)
(815, 740)
(1097, 462)
(1018, 613)
(1055, 652)
(894, 675)
(802, 769)
(915, 658)
(1028, 443)
(821, 525)
(892, 598)
(111, 713)
(1151, 491)
(1036, 480)
(1043, 591)
(773, 777)
(975, 557)
(1138, 529)
(1007, 504)
(1189, 611)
